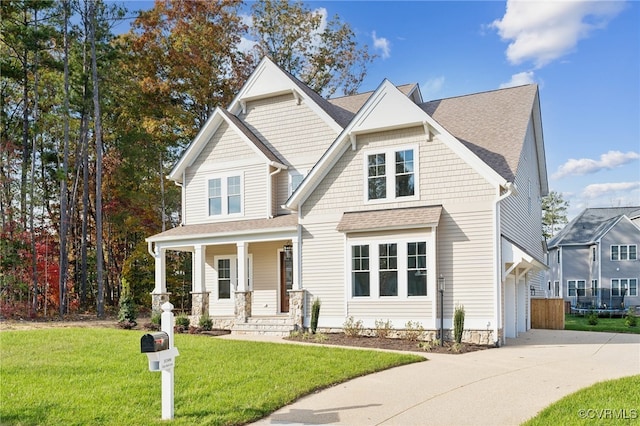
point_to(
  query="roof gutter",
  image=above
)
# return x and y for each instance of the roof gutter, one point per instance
(511, 189)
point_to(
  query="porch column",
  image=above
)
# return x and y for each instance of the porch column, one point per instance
(295, 254)
(199, 294)
(243, 294)
(159, 295)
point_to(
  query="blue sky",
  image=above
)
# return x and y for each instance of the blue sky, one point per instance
(584, 55)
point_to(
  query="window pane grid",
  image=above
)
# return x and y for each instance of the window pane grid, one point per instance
(417, 269)
(388, 260)
(377, 181)
(360, 268)
(404, 173)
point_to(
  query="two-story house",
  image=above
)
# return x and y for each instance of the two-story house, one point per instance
(593, 261)
(371, 203)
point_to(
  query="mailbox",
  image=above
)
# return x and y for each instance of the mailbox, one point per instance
(154, 342)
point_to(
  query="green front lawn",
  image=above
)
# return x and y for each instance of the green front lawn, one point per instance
(580, 322)
(614, 402)
(99, 377)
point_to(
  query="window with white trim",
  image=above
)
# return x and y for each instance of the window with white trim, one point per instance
(576, 287)
(388, 258)
(618, 285)
(624, 252)
(295, 178)
(389, 269)
(417, 269)
(224, 195)
(594, 287)
(360, 278)
(391, 174)
(227, 275)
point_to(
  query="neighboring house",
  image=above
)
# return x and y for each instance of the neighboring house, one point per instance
(593, 261)
(366, 202)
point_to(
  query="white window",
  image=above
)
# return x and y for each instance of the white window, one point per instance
(624, 286)
(624, 252)
(576, 287)
(225, 195)
(226, 268)
(594, 287)
(391, 174)
(388, 269)
(295, 178)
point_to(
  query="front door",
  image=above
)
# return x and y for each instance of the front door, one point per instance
(286, 280)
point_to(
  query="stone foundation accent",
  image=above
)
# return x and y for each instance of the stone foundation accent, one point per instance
(296, 308)
(199, 303)
(157, 300)
(242, 308)
(481, 337)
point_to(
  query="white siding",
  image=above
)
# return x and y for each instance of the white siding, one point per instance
(521, 221)
(265, 278)
(323, 269)
(226, 153)
(465, 234)
(465, 258)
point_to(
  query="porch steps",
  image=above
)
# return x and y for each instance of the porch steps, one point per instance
(268, 326)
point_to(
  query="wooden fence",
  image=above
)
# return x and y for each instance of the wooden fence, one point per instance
(547, 314)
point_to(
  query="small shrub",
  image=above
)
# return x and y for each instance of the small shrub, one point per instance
(383, 328)
(458, 323)
(156, 318)
(428, 346)
(320, 338)
(352, 328)
(295, 334)
(315, 314)
(630, 319)
(413, 331)
(205, 322)
(456, 348)
(592, 318)
(183, 321)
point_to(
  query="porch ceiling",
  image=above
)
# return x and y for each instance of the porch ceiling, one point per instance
(240, 227)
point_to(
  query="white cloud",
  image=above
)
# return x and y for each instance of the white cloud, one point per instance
(432, 86)
(381, 44)
(615, 192)
(583, 166)
(542, 31)
(520, 79)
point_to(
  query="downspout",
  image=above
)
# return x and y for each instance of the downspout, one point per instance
(150, 249)
(511, 189)
(270, 189)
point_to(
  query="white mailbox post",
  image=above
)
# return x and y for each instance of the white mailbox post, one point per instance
(162, 355)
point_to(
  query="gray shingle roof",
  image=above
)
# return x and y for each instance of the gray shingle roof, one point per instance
(491, 124)
(252, 137)
(589, 225)
(390, 219)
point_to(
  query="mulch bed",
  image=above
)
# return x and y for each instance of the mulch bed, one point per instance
(341, 339)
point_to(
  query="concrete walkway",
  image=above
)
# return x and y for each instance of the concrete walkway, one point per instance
(503, 386)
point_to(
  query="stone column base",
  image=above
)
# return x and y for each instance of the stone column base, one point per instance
(296, 308)
(242, 308)
(199, 305)
(157, 300)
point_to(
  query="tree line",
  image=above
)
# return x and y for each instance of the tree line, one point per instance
(93, 120)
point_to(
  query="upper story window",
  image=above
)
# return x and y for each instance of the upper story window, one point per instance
(624, 252)
(391, 174)
(224, 195)
(295, 178)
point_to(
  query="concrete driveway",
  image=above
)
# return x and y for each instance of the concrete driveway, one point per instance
(503, 386)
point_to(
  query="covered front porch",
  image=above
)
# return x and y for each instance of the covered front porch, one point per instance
(245, 275)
